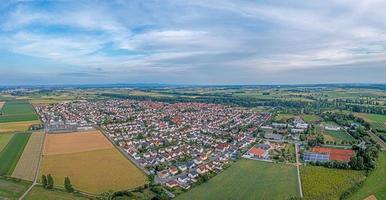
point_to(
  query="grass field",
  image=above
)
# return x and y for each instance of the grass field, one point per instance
(12, 189)
(17, 110)
(338, 136)
(376, 121)
(16, 126)
(325, 183)
(311, 118)
(283, 117)
(12, 152)
(4, 139)
(94, 171)
(39, 193)
(27, 166)
(249, 179)
(375, 184)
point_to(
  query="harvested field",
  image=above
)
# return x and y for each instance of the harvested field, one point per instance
(28, 163)
(17, 126)
(75, 142)
(4, 139)
(93, 171)
(12, 152)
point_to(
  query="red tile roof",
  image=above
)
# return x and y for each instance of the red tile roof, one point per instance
(257, 151)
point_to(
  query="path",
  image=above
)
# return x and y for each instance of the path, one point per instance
(377, 139)
(297, 167)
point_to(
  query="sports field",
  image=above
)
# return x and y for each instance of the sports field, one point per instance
(325, 183)
(75, 142)
(12, 189)
(17, 110)
(16, 126)
(4, 139)
(249, 179)
(375, 184)
(39, 193)
(90, 161)
(27, 166)
(12, 152)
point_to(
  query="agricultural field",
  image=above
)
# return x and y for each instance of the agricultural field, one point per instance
(377, 123)
(249, 179)
(39, 193)
(90, 161)
(375, 183)
(325, 183)
(12, 189)
(1, 104)
(16, 126)
(284, 117)
(75, 142)
(4, 139)
(12, 152)
(17, 110)
(28, 163)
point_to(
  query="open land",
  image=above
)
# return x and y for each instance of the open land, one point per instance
(12, 152)
(324, 183)
(27, 166)
(1, 104)
(16, 126)
(12, 189)
(4, 139)
(17, 110)
(39, 193)
(249, 179)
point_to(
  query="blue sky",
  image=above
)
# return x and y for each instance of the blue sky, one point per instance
(192, 42)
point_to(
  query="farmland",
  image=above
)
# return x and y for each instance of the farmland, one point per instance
(94, 171)
(324, 183)
(12, 152)
(39, 193)
(12, 189)
(1, 104)
(4, 139)
(28, 163)
(17, 110)
(17, 126)
(377, 123)
(75, 142)
(260, 180)
(375, 183)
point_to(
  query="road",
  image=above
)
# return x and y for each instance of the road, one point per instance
(297, 167)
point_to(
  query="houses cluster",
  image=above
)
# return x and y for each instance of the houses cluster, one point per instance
(177, 142)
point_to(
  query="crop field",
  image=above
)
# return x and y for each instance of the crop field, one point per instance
(12, 189)
(27, 166)
(17, 110)
(39, 193)
(325, 183)
(75, 142)
(12, 152)
(16, 126)
(4, 139)
(249, 179)
(375, 183)
(94, 171)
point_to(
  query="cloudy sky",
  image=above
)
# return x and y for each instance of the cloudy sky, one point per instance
(192, 42)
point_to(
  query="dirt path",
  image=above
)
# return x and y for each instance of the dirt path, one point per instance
(298, 170)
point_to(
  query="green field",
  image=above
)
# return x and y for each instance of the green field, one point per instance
(4, 139)
(39, 193)
(325, 183)
(376, 121)
(311, 118)
(375, 184)
(249, 179)
(283, 117)
(17, 110)
(12, 189)
(12, 152)
(340, 135)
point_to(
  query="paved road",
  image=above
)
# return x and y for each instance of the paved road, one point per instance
(297, 167)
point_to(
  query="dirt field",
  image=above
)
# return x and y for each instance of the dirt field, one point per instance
(16, 126)
(75, 142)
(93, 171)
(27, 166)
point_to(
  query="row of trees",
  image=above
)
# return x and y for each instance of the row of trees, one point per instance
(48, 183)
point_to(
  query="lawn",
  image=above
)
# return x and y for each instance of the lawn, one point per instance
(39, 193)
(16, 126)
(94, 171)
(17, 110)
(4, 139)
(12, 152)
(325, 183)
(249, 179)
(12, 189)
(27, 166)
(375, 184)
(311, 118)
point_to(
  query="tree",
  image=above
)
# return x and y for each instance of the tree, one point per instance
(44, 181)
(68, 185)
(50, 182)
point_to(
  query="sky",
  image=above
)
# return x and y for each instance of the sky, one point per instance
(192, 42)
